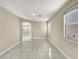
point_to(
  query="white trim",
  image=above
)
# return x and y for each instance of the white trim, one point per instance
(39, 38)
(72, 41)
(60, 49)
(9, 48)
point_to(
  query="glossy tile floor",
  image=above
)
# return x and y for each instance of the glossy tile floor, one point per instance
(35, 49)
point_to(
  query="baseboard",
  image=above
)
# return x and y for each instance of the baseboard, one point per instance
(39, 38)
(59, 49)
(2, 53)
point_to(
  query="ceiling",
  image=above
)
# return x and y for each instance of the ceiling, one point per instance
(35, 10)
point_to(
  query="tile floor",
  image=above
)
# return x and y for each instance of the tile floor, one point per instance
(35, 49)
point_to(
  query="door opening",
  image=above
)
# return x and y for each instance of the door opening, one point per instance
(26, 31)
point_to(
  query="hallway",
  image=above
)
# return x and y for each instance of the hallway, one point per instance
(39, 29)
(35, 49)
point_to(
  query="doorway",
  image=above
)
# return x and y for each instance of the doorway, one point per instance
(26, 31)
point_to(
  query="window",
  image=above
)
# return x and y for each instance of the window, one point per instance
(71, 24)
(26, 31)
(49, 27)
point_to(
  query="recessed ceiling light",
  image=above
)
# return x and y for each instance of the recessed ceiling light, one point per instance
(33, 14)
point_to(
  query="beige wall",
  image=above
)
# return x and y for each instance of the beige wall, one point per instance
(39, 29)
(9, 29)
(57, 36)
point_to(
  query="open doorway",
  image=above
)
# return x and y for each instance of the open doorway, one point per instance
(26, 31)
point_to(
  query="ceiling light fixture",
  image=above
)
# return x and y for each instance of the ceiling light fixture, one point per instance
(39, 15)
(33, 14)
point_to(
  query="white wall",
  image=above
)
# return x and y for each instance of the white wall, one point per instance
(57, 36)
(9, 29)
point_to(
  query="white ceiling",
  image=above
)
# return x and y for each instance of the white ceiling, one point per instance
(37, 10)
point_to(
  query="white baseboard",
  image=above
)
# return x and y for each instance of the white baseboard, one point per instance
(9, 48)
(59, 49)
(39, 38)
